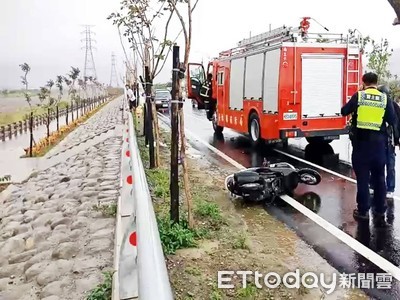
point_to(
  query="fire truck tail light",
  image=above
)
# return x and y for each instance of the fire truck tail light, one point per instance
(291, 134)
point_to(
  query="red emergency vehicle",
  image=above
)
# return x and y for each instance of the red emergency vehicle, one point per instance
(282, 84)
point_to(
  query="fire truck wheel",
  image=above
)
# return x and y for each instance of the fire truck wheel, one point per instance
(255, 129)
(217, 129)
(285, 143)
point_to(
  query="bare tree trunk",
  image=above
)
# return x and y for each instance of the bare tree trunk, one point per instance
(186, 182)
(156, 134)
(188, 37)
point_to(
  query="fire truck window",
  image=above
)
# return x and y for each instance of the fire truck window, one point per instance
(210, 69)
(220, 78)
(197, 73)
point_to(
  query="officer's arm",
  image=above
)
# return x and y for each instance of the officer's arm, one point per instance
(350, 106)
(390, 115)
(397, 112)
(396, 128)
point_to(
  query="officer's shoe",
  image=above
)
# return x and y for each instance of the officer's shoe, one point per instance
(380, 221)
(358, 216)
(389, 195)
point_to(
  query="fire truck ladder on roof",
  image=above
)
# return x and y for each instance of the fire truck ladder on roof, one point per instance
(280, 35)
(353, 58)
(266, 39)
(277, 34)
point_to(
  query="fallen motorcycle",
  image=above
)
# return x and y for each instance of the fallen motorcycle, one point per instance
(271, 181)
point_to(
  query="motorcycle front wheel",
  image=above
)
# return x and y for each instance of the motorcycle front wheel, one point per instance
(309, 176)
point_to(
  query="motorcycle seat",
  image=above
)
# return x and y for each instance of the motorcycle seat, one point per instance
(246, 177)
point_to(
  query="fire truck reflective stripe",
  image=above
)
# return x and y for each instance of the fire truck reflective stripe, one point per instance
(205, 91)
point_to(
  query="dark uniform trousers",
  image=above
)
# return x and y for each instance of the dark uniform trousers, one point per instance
(369, 159)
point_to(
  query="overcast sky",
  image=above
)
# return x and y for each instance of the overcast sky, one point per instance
(46, 33)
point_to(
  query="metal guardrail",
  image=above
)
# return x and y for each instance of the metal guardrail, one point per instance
(142, 272)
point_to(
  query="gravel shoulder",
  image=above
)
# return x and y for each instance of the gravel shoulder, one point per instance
(57, 228)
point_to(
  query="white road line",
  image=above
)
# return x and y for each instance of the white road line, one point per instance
(323, 169)
(316, 166)
(344, 237)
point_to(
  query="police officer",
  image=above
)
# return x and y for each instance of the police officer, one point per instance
(371, 111)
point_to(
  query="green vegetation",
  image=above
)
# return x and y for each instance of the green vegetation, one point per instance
(240, 241)
(208, 211)
(378, 61)
(159, 182)
(207, 214)
(193, 271)
(103, 291)
(107, 210)
(216, 293)
(23, 114)
(18, 93)
(249, 292)
(175, 236)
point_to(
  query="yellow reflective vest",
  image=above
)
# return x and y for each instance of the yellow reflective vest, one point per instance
(371, 109)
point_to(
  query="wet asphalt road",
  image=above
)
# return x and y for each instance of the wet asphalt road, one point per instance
(333, 200)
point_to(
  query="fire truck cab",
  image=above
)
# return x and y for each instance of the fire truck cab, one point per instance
(285, 83)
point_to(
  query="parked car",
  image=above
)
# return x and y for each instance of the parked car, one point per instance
(162, 98)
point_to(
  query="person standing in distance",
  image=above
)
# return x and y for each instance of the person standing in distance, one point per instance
(131, 98)
(371, 111)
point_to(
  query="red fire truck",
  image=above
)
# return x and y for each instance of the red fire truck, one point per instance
(282, 84)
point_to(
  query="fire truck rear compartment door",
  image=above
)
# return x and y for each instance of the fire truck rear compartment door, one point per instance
(322, 85)
(236, 83)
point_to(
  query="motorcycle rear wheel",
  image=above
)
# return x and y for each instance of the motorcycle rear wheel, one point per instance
(309, 176)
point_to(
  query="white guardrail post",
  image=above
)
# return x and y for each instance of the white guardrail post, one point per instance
(142, 273)
(127, 265)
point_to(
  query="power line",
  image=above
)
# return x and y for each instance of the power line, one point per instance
(89, 68)
(113, 77)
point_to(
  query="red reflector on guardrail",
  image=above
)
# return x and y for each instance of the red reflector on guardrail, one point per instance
(133, 239)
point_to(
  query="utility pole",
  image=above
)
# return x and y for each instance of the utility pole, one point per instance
(149, 110)
(113, 77)
(174, 176)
